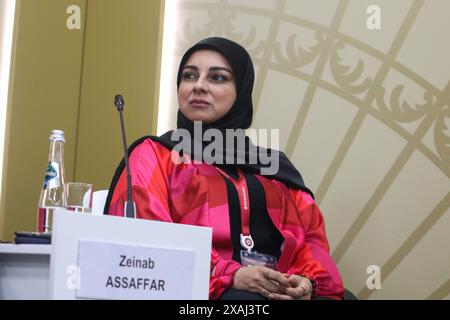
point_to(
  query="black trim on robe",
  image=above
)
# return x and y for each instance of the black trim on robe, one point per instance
(263, 231)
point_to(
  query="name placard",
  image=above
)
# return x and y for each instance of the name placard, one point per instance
(123, 271)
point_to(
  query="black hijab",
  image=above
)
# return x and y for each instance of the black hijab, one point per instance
(241, 113)
(239, 117)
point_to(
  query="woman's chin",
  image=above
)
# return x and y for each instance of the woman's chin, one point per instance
(203, 119)
(205, 116)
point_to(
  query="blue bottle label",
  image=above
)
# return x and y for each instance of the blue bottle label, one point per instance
(52, 177)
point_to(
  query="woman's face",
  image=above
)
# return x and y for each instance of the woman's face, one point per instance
(207, 89)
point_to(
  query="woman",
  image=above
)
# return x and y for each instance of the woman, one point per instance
(269, 239)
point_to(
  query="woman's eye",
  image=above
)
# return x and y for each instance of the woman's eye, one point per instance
(189, 75)
(219, 77)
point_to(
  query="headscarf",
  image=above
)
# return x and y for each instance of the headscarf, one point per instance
(238, 117)
(241, 113)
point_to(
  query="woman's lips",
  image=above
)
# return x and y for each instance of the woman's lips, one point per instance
(201, 104)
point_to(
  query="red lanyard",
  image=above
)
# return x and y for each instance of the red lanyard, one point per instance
(241, 186)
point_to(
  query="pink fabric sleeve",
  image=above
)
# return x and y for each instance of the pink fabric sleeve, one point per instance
(314, 260)
(150, 166)
(222, 275)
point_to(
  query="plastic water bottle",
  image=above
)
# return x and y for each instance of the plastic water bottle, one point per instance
(53, 193)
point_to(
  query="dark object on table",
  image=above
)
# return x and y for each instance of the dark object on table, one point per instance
(348, 295)
(26, 237)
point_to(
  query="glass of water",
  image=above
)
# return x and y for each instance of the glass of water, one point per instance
(79, 196)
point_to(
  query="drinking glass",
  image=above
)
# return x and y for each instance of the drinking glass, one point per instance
(79, 196)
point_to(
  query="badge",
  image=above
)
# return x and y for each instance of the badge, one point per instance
(247, 242)
(249, 258)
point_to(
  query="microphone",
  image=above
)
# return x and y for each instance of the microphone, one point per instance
(130, 206)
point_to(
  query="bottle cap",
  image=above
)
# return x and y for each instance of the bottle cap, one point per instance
(57, 135)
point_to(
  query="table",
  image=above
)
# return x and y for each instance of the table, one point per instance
(24, 271)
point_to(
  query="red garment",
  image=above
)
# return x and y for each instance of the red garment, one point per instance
(196, 194)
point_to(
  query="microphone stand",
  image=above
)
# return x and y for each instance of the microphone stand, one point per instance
(130, 206)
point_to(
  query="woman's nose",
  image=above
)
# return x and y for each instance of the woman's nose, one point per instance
(201, 85)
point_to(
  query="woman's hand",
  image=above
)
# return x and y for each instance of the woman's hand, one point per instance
(261, 280)
(300, 288)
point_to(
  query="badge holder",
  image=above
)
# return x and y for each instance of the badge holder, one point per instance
(252, 258)
(248, 257)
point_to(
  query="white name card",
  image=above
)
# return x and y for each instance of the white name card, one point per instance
(121, 271)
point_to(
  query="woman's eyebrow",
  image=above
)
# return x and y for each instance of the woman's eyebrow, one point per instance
(190, 67)
(210, 69)
(220, 68)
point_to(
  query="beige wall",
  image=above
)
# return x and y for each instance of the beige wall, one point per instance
(67, 79)
(122, 48)
(362, 114)
(44, 95)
